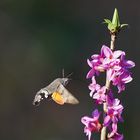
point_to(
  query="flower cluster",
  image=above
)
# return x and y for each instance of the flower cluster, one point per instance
(115, 65)
(91, 124)
(117, 70)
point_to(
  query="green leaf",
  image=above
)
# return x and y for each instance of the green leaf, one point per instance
(124, 25)
(107, 21)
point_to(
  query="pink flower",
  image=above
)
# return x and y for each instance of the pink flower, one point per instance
(120, 79)
(91, 124)
(114, 62)
(99, 91)
(111, 59)
(100, 95)
(126, 64)
(93, 86)
(103, 61)
(118, 74)
(115, 136)
(114, 111)
(95, 65)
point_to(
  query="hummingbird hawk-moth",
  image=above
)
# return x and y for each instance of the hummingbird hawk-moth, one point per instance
(57, 91)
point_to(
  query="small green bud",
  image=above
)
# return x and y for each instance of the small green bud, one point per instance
(114, 26)
(115, 19)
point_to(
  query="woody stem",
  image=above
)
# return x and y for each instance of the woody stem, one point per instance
(104, 129)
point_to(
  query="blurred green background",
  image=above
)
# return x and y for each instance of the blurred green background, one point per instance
(40, 38)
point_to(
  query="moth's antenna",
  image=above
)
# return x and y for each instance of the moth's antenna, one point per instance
(69, 75)
(63, 75)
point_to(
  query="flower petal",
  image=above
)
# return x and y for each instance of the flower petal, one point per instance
(116, 102)
(91, 93)
(115, 136)
(95, 114)
(93, 80)
(107, 120)
(114, 127)
(96, 95)
(127, 79)
(89, 63)
(110, 74)
(95, 56)
(106, 51)
(90, 73)
(85, 120)
(118, 53)
(129, 64)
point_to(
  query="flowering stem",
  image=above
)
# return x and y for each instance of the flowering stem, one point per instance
(116, 67)
(103, 133)
(112, 46)
(112, 42)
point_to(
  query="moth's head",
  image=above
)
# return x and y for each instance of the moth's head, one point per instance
(65, 81)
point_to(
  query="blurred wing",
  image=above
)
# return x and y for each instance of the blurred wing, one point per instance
(52, 87)
(66, 95)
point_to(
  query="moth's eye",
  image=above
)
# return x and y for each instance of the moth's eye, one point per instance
(66, 82)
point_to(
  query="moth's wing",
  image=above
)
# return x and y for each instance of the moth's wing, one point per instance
(66, 95)
(52, 87)
(57, 97)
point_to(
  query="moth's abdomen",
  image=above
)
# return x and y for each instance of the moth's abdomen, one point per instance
(42, 94)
